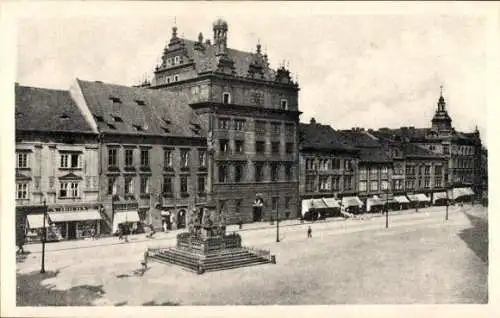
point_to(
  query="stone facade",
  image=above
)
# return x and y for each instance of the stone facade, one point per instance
(251, 113)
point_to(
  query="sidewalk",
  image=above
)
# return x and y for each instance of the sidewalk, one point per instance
(113, 240)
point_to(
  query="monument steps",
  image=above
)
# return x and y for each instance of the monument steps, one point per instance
(210, 262)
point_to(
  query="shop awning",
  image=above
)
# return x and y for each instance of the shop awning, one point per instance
(305, 206)
(438, 196)
(85, 215)
(401, 199)
(35, 221)
(331, 202)
(318, 204)
(387, 198)
(462, 192)
(370, 202)
(422, 197)
(351, 201)
(124, 217)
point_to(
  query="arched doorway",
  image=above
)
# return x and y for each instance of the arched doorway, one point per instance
(181, 219)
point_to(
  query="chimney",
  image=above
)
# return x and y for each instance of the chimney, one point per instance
(207, 42)
(313, 121)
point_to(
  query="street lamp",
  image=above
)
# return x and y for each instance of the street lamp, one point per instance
(44, 235)
(447, 201)
(277, 225)
(387, 208)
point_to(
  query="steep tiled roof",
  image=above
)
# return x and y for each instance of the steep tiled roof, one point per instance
(375, 155)
(321, 137)
(360, 139)
(140, 111)
(206, 61)
(42, 109)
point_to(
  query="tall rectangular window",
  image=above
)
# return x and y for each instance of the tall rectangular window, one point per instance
(260, 147)
(276, 128)
(362, 173)
(374, 186)
(202, 184)
(289, 131)
(275, 147)
(238, 172)
(224, 145)
(373, 173)
(384, 184)
(112, 157)
(427, 170)
(168, 161)
(22, 160)
(348, 183)
(129, 157)
(239, 146)
(239, 124)
(144, 157)
(284, 104)
(324, 183)
(335, 183)
(446, 149)
(129, 185)
(226, 98)
(167, 188)
(21, 191)
(288, 172)
(112, 185)
(259, 172)
(184, 185)
(202, 154)
(144, 188)
(362, 186)
(223, 173)
(289, 147)
(310, 184)
(185, 158)
(438, 170)
(274, 171)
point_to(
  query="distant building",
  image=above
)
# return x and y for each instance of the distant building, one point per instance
(57, 164)
(461, 150)
(328, 167)
(374, 168)
(153, 155)
(251, 115)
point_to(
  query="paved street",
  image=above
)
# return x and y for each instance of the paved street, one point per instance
(419, 259)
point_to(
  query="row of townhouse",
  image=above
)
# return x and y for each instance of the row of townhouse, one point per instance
(396, 166)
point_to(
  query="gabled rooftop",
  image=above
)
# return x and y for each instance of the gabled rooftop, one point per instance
(314, 136)
(133, 110)
(47, 110)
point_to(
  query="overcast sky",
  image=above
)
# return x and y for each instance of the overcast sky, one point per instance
(354, 68)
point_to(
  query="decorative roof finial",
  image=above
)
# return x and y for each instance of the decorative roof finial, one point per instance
(258, 46)
(441, 87)
(200, 37)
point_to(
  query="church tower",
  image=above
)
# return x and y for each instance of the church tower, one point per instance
(441, 122)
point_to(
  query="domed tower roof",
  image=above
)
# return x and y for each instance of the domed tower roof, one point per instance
(220, 24)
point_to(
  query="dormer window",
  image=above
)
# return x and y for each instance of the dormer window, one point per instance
(169, 61)
(176, 78)
(140, 102)
(226, 98)
(177, 60)
(99, 118)
(169, 79)
(115, 99)
(138, 128)
(284, 104)
(117, 119)
(64, 116)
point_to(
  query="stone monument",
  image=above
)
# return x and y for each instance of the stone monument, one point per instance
(206, 246)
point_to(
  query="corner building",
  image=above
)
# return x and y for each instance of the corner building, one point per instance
(251, 114)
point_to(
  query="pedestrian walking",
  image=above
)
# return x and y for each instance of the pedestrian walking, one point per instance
(92, 233)
(152, 231)
(144, 262)
(309, 232)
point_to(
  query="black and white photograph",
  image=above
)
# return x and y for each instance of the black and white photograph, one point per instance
(177, 154)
